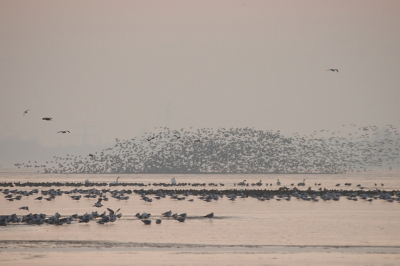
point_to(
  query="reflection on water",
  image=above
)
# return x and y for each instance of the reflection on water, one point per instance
(243, 223)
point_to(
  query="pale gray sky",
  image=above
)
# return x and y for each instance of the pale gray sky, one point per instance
(124, 67)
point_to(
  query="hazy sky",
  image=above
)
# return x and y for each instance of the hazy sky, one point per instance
(124, 67)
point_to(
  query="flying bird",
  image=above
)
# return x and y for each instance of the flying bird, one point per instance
(47, 118)
(333, 70)
(26, 111)
(112, 213)
(63, 131)
(149, 139)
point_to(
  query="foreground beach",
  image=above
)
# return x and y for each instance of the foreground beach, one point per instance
(36, 254)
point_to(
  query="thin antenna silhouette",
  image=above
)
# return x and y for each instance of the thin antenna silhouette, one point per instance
(85, 134)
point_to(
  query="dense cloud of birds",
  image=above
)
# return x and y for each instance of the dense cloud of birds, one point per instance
(238, 150)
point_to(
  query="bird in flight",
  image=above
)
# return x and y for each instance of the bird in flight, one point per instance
(112, 212)
(47, 118)
(333, 70)
(149, 139)
(26, 111)
(63, 131)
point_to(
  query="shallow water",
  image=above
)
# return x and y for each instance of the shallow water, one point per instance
(260, 232)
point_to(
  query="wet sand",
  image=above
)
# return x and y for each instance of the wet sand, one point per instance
(281, 255)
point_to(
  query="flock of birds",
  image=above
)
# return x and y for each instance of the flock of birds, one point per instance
(206, 150)
(174, 191)
(76, 195)
(238, 150)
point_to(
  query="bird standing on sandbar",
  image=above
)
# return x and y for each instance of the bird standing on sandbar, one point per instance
(167, 214)
(115, 182)
(146, 222)
(211, 215)
(98, 203)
